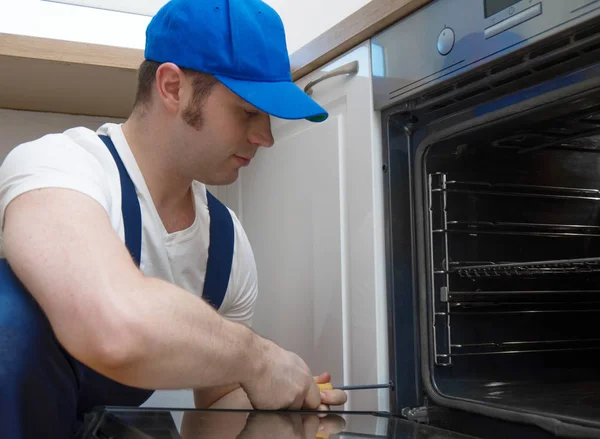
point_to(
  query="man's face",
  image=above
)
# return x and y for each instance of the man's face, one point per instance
(219, 135)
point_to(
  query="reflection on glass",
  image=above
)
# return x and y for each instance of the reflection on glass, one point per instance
(123, 423)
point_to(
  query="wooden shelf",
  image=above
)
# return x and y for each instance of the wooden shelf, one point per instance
(40, 74)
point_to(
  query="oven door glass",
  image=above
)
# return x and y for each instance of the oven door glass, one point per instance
(147, 423)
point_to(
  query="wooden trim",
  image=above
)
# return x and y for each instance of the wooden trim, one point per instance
(22, 46)
(40, 74)
(350, 32)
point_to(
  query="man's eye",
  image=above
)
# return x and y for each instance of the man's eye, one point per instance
(250, 113)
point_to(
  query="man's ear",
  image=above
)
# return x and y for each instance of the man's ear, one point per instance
(169, 84)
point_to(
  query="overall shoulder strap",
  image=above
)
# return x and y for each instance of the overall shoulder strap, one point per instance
(130, 205)
(222, 236)
(220, 252)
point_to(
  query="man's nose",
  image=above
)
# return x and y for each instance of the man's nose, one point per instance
(260, 133)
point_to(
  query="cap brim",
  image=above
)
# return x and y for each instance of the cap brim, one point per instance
(284, 99)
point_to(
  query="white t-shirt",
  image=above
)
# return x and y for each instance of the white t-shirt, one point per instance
(77, 159)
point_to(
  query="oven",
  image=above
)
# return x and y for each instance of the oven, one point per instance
(491, 136)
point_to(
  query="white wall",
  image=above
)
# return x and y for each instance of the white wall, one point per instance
(22, 126)
(304, 20)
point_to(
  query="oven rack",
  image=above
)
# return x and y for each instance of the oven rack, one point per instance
(439, 182)
(520, 229)
(536, 268)
(531, 306)
(523, 347)
(448, 304)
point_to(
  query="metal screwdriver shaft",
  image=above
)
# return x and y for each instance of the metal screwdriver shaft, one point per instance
(374, 386)
(329, 386)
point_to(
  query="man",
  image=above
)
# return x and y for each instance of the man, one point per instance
(98, 330)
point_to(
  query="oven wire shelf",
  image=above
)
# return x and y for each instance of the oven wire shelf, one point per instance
(524, 347)
(448, 304)
(537, 268)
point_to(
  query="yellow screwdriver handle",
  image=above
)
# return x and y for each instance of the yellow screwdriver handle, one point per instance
(326, 386)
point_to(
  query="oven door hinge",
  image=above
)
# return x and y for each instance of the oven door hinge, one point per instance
(418, 414)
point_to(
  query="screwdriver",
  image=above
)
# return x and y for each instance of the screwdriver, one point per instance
(329, 386)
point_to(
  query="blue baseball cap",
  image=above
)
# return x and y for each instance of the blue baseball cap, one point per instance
(241, 43)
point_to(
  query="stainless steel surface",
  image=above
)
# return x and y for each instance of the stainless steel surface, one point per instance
(347, 69)
(513, 21)
(411, 63)
(365, 387)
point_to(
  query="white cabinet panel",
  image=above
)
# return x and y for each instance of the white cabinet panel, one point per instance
(312, 208)
(291, 199)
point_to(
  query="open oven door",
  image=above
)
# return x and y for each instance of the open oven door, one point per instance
(156, 423)
(495, 309)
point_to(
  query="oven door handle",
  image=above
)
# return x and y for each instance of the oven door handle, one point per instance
(347, 69)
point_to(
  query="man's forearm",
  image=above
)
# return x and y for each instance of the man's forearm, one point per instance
(181, 342)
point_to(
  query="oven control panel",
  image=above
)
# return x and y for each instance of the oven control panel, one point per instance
(449, 37)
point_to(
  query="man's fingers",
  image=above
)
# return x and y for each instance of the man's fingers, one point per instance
(333, 397)
(325, 377)
(313, 397)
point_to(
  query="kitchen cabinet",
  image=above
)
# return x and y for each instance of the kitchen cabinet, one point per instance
(312, 208)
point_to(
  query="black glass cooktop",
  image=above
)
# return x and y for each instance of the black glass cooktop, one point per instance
(126, 423)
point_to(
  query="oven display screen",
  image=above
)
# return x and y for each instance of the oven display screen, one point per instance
(494, 6)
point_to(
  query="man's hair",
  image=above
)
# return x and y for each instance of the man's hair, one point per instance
(203, 84)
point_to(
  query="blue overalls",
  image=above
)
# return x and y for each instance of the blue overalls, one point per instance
(44, 391)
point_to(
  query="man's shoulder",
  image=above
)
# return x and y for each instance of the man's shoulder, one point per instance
(72, 145)
(72, 137)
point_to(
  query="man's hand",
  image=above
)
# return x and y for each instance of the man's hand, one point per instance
(281, 380)
(330, 397)
(234, 397)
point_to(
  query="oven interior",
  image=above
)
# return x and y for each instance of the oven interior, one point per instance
(512, 217)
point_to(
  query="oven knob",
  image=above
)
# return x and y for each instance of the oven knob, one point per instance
(445, 41)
